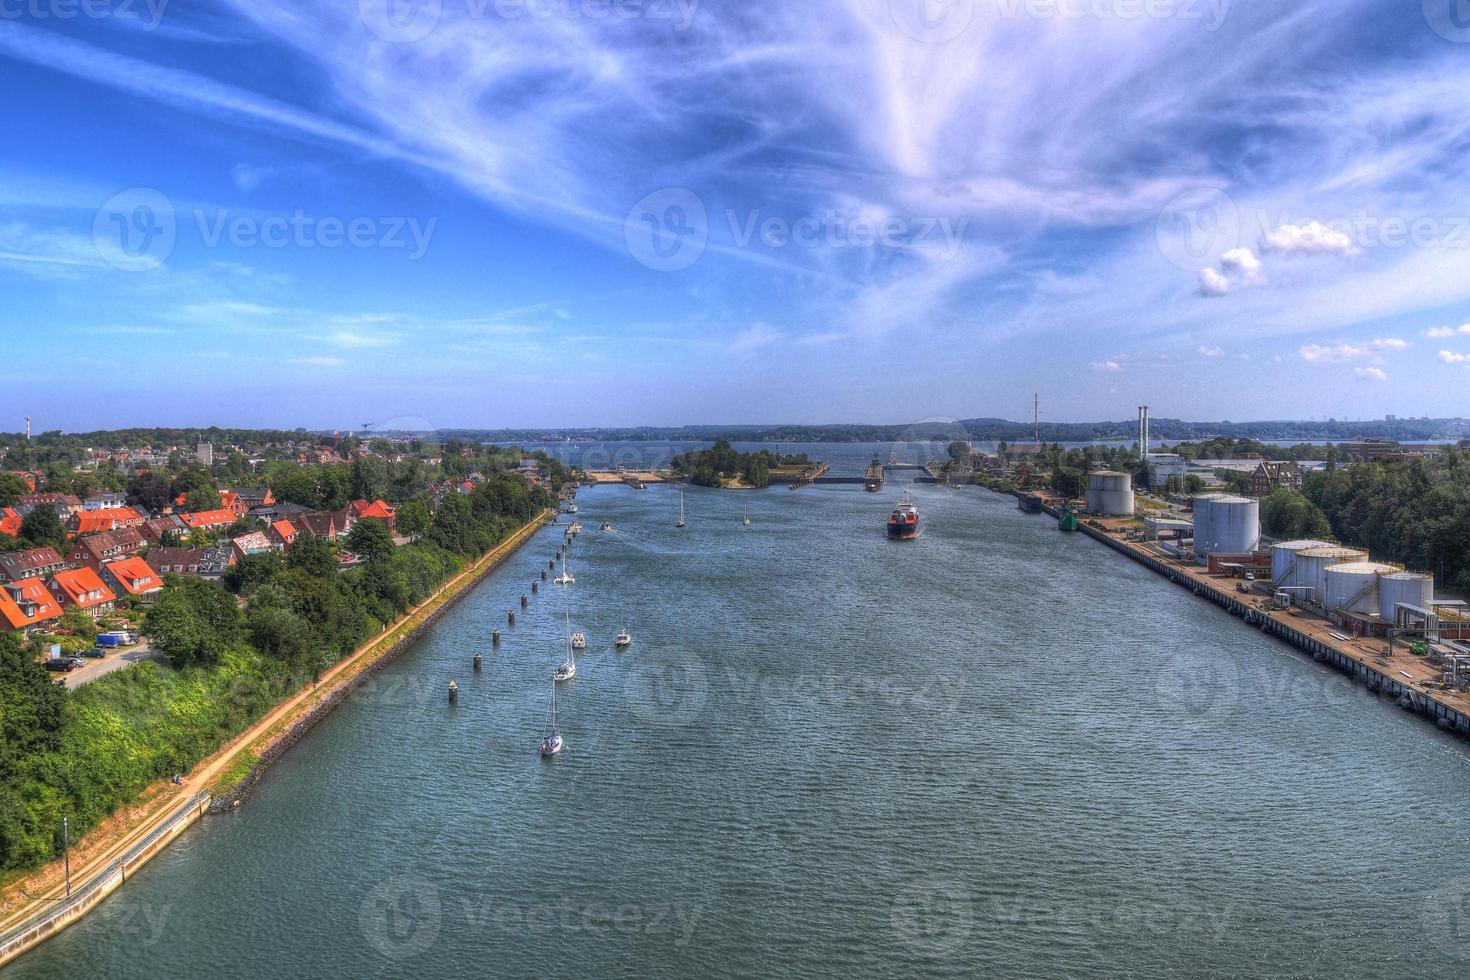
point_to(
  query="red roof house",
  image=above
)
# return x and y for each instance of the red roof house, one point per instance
(84, 588)
(133, 576)
(207, 520)
(10, 522)
(27, 605)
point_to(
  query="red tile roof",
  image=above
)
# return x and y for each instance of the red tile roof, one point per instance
(378, 509)
(92, 522)
(32, 593)
(134, 575)
(10, 522)
(81, 587)
(209, 518)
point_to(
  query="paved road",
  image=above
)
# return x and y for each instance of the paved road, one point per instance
(113, 661)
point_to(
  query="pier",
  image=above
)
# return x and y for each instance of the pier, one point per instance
(1381, 665)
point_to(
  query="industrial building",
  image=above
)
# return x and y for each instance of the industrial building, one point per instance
(1227, 524)
(1110, 494)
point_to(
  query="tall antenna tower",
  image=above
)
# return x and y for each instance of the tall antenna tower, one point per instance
(28, 428)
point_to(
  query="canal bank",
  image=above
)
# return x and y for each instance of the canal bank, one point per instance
(1391, 672)
(220, 782)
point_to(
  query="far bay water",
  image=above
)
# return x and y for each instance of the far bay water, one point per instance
(993, 751)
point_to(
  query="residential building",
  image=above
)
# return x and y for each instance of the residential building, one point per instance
(83, 588)
(10, 521)
(95, 550)
(283, 533)
(209, 520)
(255, 497)
(133, 576)
(104, 500)
(155, 529)
(31, 563)
(95, 521)
(204, 562)
(254, 543)
(1370, 448)
(204, 453)
(377, 510)
(323, 524)
(27, 605)
(1271, 475)
(276, 512)
(64, 503)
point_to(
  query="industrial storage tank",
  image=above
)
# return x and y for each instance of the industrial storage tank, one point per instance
(1285, 571)
(1231, 526)
(1204, 523)
(1312, 565)
(1410, 588)
(1353, 586)
(1110, 494)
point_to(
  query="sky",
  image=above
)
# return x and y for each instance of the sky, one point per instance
(443, 213)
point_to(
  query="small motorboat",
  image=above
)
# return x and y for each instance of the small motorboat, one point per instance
(623, 640)
(579, 641)
(607, 525)
(572, 507)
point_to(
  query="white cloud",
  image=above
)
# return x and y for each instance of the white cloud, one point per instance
(1371, 374)
(1341, 353)
(755, 337)
(1242, 266)
(1439, 333)
(354, 339)
(1208, 351)
(1450, 357)
(1312, 238)
(1111, 367)
(1211, 283)
(319, 361)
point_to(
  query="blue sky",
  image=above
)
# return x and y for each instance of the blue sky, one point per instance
(619, 212)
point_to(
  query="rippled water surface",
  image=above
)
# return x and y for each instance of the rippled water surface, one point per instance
(993, 751)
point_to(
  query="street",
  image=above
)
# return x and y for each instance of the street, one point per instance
(107, 664)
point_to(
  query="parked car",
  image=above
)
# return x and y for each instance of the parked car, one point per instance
(65, 663)
(94, 653)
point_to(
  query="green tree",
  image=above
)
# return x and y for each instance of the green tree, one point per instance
(11, 488)
(149, 491)
(193, 623)
(42, 527)
(312, 556)
(370, 539)
(412, 518)
(250, 572)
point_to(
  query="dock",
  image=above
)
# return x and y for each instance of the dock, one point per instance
(1380, 665)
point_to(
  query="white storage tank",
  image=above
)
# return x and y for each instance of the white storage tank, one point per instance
(1411, 588)
(1284, 570)
(1204, 523)
(1312, 565)
(1353, 586)
(1232, 527)
(1110, 494)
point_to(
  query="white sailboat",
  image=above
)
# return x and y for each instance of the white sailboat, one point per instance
(623, 640)
(745, 518)
(566, 577)
(568, 668)
(680, 522)
(552, 742)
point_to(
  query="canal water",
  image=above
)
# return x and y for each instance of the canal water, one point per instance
(993, 751)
